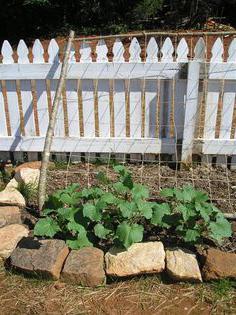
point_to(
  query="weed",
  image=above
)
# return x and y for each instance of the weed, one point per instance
(29, 191)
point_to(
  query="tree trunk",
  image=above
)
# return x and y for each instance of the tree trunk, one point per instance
(51, 125)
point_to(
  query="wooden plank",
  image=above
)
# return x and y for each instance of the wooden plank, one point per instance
(13, 107)
(119, 108)
(27, 106)
(102, 145)
(227, 110)
(135, 97)
(150, 108)
(216, 146)
(211, 109)
(42, 106)
(111, 70)
(103, 108)
(190, 111)
(72, 107)
(3, 118)
(60, 124)
(88, 108)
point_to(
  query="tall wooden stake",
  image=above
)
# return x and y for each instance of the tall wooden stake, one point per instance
(51, 125)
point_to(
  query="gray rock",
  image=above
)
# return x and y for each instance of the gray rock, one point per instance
(85, 267)
(43, 258)
(10, 235)
(138, 259)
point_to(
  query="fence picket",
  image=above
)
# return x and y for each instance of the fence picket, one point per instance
(53, 52)
(103, 108)
(38, 52)
(13, 107)
(42, 106)
(85, 53)
(150, 108)
(118, 51)
(27, 107)
(135, 51)
(88, 108)
(3, 118)
(22, 52)
(167, 50)
(72, 107)
(182, 51)
(101, 51)
(232, 51)
(60, 124)
(227, 111)
(152, 51)
(217, 51)
(7, 53)
(135, 99)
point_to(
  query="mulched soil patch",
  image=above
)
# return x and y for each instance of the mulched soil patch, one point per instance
(144, 295)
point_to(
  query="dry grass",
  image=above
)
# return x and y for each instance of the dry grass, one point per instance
(143, 295)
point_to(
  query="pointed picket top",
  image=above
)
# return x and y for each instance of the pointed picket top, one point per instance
(232, 51)
(135, 51)
(22, 52)
(38, 52)
(7, 52)
(101, 51)
(167, 50)
(85, 53)
(53, 51)
(217, 51)
(72, 54)
(118, 51)
(200, 49)
(182, 51)
(152, 51)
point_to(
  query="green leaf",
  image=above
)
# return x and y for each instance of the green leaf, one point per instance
(186, 211)
(66, 213)
(81, 241)
(127, 181)
(103, 178)
(204, 211)
(46, 212)
(46, 227)
(108, 198)
(159, 211)
(53, 202)
(76, 227)
(220, 229)
(129, 234)
(140, 191)
(120, 188)
(91, 212)
(120, 169)
(167, 192)
(145, 209)
(191, 235)
(127, 208)
(100, 231)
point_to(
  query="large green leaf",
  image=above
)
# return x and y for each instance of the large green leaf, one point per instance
(100, 231)
(204, 210)
(81, 241)
(75, 227)
(127, 208)
(140, 191)
(66, 213)
(127, 181)
(46, 227)
(186, 210)
(220, 229)
(91, 212)
(108, 198)
(191, 235)
(159, 211)
(167, 192)
(120, 188)
(129, 234)
(145, 208)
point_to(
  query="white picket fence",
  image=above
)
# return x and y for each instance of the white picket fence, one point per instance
(119, 106)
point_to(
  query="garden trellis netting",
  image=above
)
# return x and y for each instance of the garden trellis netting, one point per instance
(150, 97)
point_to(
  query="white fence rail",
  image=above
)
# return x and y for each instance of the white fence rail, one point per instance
(113, 105)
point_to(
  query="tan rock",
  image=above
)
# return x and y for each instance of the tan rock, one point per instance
(85, 267)
(9, 215)
(43, 258)
(138, 259)
(28, 176)
(10, 236)
(13, 184)
(12, 197)
(182, 264)
(219, 265)
(32, 165)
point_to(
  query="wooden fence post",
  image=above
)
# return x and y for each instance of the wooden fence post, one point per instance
(191, 105)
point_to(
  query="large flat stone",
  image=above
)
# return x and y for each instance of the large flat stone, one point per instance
(85, 267)
(43, 258)
(9, 215)
(12, 197)
(28, 176)
(10, 236)
(182, 265)
(138, 259)
(219, 265)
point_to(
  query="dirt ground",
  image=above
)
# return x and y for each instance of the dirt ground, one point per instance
(143, 295)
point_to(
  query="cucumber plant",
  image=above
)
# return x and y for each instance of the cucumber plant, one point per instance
(118, 210)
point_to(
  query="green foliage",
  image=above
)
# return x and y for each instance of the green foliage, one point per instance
(28, 190)
(118, 211)
(190, 214)
(114, 212)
